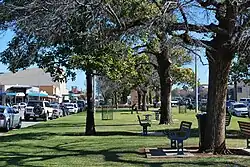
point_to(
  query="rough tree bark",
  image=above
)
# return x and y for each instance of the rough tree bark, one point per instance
(164, 64)
(90, 121)
(216, 110)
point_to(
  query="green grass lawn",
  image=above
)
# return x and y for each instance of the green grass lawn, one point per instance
(117, 143)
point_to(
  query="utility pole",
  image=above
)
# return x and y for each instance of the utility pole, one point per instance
(196, 85)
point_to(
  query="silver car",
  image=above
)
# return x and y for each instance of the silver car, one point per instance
(9, 118)
(239, 109)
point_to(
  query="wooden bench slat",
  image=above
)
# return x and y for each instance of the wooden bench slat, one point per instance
(245, 130)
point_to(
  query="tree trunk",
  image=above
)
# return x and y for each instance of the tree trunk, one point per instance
(139, 99)
(90, 122)
(166, 85)
(124, 98)
(144, 99)
(235, 90)
(150, 97)
(116, 103)
(216, 109)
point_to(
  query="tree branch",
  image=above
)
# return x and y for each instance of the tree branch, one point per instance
(208, 3)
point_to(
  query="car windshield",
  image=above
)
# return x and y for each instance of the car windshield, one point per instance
(240, 106)
(243, 99)
(54, 105)
(2, 110)
(34, 103)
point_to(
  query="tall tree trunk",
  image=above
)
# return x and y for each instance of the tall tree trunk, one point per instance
(150, 97)
(144, 99)
(124, 98)
(116, 103)
(166, 85)
(235, 89)
(139, 99)
(90, 121)
(216, 109)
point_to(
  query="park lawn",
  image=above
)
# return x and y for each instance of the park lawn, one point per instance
(118, 143)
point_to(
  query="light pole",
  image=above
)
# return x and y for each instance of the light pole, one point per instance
(196, 84)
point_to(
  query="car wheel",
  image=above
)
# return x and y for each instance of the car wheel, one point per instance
(26, 118)
(7, 127)
(19, 124)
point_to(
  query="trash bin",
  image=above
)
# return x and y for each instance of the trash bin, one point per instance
(202, 118)
(107, 113)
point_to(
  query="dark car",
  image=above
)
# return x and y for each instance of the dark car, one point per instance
(81, 105)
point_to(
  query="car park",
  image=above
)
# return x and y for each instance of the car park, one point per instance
(9, 118)
(239, 109)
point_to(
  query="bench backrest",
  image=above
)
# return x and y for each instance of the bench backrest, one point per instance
(139, 119)
(228, 118)
(245, 128)
(186, 127)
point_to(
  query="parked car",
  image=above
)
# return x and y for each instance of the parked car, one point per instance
(81, 105)
(245, 101)
(38, 109)
(174, 102)
(239, 109)
(71, 107)
(21, 108)
(57, 111)
(9, 118)
(229, 103)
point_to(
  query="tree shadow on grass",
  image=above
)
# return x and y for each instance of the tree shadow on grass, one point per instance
(110, 155)
(230, 134)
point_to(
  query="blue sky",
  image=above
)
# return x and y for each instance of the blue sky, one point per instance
(80, 78)
(7, 36)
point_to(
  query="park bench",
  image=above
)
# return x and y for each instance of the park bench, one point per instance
(245, 130)
(144, 125)
(179, 136)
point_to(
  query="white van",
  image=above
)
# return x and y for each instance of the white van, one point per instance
(245, 101)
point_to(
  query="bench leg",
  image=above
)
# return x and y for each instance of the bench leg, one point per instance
(144, 130)
(248, 142)
(173, 143)
(180, 147)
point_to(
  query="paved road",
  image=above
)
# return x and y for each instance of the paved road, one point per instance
(24, 125)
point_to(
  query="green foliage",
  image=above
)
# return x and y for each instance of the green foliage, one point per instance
(239, 71)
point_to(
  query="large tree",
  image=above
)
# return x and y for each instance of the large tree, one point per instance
(224, 32)
(61, 37)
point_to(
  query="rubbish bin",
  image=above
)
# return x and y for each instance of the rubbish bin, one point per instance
(202, 118)
(107, 113)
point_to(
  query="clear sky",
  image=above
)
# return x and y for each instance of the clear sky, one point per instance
(7, 36)
(80, 78)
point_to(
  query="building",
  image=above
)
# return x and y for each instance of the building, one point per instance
(243, 90)
(31, 83)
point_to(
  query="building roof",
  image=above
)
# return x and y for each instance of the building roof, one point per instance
(32, 77)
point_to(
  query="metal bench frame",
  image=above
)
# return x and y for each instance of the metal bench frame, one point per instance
(245, 130)
(144, 125)
(177, 139)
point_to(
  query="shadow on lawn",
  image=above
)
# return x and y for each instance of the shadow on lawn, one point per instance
(110, 155)
(230, 134)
